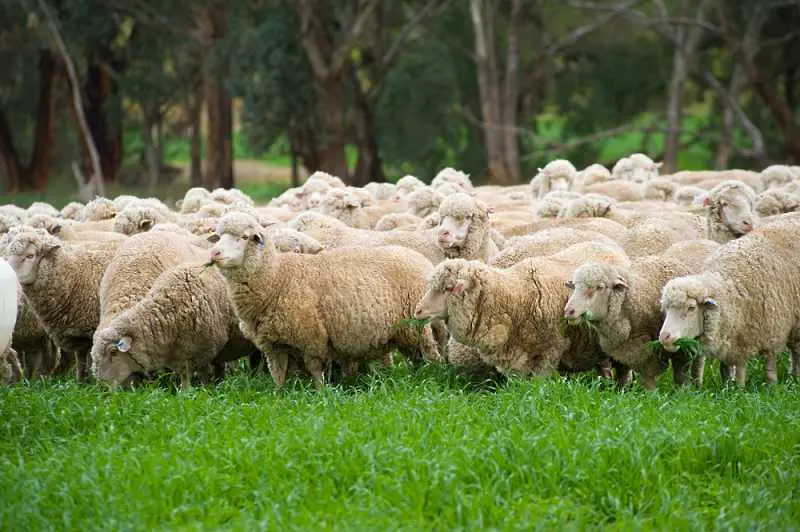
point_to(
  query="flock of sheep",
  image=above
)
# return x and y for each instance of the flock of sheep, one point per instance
(592, 270)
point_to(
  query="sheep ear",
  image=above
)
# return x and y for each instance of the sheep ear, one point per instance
(213, 238)
(124, 344)
(620, 284)
(257, 238)
(146, 224)
(55, 229)
(50, 248)
(710, 302)
(459, 287)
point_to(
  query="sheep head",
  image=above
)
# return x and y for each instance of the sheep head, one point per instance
(458, 214)
(113, 356)
(687, 303)
(444, 281)
(239, 242)
(597, 292)
(27, 250)
(731, 204)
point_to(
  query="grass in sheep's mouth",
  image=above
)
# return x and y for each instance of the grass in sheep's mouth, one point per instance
(690, 346)
(416, 323)
(584, 320)
(208, 264)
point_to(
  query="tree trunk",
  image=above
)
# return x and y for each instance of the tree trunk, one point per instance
(99, 89)
(689, 39)
(8, 152)
(219, 137)
(511, 94)
(766, 91)
(196, 164)
(725, 144)
(333, 158)
(42, 153)
(151, 137)
(369, 167)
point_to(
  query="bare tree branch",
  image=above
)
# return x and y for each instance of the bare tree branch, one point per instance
(96, 181)
(395, 47)
(342, 52)
(585, 30)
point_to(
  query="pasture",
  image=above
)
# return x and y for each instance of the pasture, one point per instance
(401, 449)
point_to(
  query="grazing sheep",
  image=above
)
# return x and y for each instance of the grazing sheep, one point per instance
(424, 201)
(61, 281)
(776, 175)
(551, 204)
(341, 305)
(464, 228)
(333, 234)
(774, 201)
(542, 243)
(99, 209)
(184, 323)
(660, 189)
(745, 302)
(403, 221)
(510, 317)
(730, 211)
(622, 304)
(66, 231)
(556, 176)
(72, 211)
(194, 198)
(693, 253)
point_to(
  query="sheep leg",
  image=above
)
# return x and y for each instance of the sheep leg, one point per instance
(81, 366)
(316, 368)
(649, 382)
(770, 367)
(698, 370)
(604, 369)
(726, 371)
(278, 363)
(681, 367)
(186, 377)
(795, 360)
(741, 374)
(624, 374)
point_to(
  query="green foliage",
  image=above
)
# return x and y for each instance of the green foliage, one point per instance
(399, 451)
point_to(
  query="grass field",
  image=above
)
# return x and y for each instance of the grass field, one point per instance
(401, 450)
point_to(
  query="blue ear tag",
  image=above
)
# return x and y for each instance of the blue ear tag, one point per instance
(711, 301)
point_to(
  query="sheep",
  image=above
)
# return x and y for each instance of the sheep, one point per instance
(744, 302)
(551, 204)
(61, 281)
(14, 213)
(693, 253)
(774, 201)
(622, 305)
(653, 236)
(184, 323)
(67, 231)
(288, 240)
(620, 190)
(139, 261)
(424, 201)
(401, 221)
(556, 176)
(406, 185)
(594, 173)
(123, 200)
(380, 191)
(545, 242)
(8, 317)
(464, 228)
(40, 207)
(688, 195)
(451, 176)
(344, 205)
(510, 317)
(641, 168)
(194, 198)
(98, 209)
(333, 234)
(588, 206)
(730, 211)
(137, 218)
(660, 189)
(232, 196)
(776, 175)
(72, 211)
(339, 305)
(332, 181)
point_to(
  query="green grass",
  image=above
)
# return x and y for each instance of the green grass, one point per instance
(400, 450)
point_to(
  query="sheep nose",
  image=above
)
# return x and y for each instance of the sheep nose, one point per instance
(444, 233)
(665, 338)
(216, 254)
(569, 312)
(748, 226)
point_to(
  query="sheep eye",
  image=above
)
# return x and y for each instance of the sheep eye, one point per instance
(245, 237)
(692, 308)
(29, 256)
